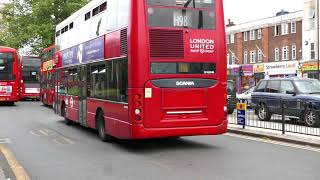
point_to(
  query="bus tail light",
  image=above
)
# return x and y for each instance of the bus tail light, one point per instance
(137, 109)
(138, 118)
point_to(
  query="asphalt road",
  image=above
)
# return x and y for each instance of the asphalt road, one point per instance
(48, 149)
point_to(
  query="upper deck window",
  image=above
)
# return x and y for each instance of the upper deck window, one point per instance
(6, 66)
(87, 16)
(184, 3)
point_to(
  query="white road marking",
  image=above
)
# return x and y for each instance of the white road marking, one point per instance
(266, 140)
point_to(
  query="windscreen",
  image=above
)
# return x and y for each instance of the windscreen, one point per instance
(31, 69)
(6, 67)
(183, 68)
(194, 14)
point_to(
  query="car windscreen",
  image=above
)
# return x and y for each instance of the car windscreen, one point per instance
(308, 86)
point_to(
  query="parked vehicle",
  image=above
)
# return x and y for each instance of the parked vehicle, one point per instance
(300, 98)
(246, 97)
(232, 99)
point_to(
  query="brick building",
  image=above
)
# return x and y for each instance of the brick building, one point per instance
(270, 46)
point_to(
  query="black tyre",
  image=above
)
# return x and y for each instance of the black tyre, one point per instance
(11, 103)
(64, 114)
(263, 113)
(101, 128)
(311, 118)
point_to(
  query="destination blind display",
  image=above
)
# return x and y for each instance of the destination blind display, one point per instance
(183, 3)
(181, 18)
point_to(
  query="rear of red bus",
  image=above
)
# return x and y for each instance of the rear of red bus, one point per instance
(48, 65)
(9, 76)
(30, 74)
(177, 81)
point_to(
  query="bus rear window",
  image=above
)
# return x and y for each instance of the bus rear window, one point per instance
(183, 68)
(181, 18)
(6, 66)
(183, 3)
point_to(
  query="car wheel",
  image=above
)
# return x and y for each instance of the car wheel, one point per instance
(263, 113)
(311, 118)
(101, 128)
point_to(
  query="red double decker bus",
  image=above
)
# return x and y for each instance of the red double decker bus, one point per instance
(9, 76)
(30, 74)
(144, 69)
(49, 63)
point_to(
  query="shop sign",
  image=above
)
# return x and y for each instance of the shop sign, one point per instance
(310, 66)
(279, 68)
(247, 70)
(258, 68)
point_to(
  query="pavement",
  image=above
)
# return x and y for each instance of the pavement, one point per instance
(6, 171)
(48, 149)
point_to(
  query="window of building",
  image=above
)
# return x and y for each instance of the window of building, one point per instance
(259, 33)
(252, 56)
(260, 56)
(228, 59)
(285, 53)
(245, 36)
(87, 16)
(252, 35)
(245, 57)
(231, 38)
(293, 27)
(276, 54)
(284, 29)
(312, 51)
(228, 39)
(233, 58)
(276, 30)
(294, 52)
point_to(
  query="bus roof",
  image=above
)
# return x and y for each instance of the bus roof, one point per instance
(88, 7)
(48, 48)
(7, 49)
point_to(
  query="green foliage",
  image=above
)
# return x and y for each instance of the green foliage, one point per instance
(32, 22)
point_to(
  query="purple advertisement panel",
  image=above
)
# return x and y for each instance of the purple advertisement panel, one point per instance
(93, 50)
(69, 56)
(88, 51)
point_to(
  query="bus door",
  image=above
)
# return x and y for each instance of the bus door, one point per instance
(82, 72)
(56, 102)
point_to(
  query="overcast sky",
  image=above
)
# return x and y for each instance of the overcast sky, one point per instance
(247, 10)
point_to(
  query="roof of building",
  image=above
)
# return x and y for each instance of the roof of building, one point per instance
(266, 22)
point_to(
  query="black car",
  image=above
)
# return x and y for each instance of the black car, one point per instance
(299, 97)
(232, 99)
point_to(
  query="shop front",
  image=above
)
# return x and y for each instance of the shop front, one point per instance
(258, 70)
(310, 70)
(283, 69)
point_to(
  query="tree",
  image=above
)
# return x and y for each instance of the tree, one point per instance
(31, 23)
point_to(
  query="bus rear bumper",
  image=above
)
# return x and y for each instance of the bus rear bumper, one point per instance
(140, 132)
(9, 98)
(30, 96)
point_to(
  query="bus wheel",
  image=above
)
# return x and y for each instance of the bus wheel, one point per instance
(11, 103)
(101, 128)
(64, 114)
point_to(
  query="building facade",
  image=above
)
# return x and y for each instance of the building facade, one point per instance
(270, 46)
